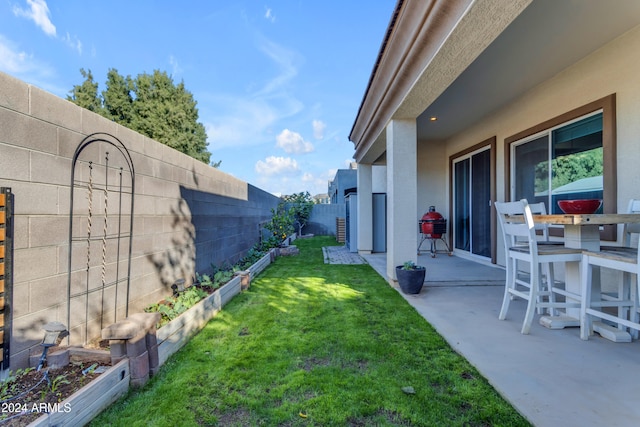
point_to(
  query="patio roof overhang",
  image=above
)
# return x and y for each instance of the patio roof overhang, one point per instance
(459, 60)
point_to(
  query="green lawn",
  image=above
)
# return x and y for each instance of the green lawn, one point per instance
(312, 344)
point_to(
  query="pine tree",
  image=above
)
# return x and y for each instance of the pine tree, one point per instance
(86, 94)
(118, 102)
(150, 104)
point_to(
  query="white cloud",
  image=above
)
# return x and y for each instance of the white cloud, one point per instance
(247, 119)
(74, 43)
(285, 59)
(17, 62)
(175, 66)
(12, 60)
(277, 166)
(269, 16)
(293, 142)
(24, 66)
(38, 13)
(318, 183)
(318, 129)
(313, 182)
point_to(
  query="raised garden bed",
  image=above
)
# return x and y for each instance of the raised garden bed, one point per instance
(82, 406)
(175, 334)
(104, 389)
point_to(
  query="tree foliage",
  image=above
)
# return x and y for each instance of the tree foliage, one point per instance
(301, 205)
(567, 169)
(281, 223)
(151, 104)
(86, 94)
(570, 168)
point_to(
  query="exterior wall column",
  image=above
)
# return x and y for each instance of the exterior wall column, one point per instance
(365, 209)
(402, 190)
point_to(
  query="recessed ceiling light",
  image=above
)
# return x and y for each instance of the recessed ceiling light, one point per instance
(433, 119)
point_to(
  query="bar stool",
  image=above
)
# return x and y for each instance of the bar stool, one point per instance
(521, 244)
(624, 259)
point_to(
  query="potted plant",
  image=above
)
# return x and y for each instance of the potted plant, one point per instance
(410, 277)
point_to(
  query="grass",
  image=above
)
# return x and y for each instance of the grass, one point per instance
(312, 344)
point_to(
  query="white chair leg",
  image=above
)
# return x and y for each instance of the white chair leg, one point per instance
(585, 319)
(634, 316)
(624, 293)
(551, 281)
(542, 292)
(514, 272)
(533, 298)
(508, 284)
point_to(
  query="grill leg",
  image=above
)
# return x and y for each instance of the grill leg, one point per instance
(424, 237)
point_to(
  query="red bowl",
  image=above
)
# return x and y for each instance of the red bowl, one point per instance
(585, 206)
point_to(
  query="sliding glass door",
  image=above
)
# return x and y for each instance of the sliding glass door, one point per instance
(472, 203)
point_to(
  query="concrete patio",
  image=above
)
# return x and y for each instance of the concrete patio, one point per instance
(552, 377)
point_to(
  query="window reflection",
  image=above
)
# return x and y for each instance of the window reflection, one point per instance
(564, 163)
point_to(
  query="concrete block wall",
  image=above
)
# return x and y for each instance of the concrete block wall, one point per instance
(323, 219)
(187, 215)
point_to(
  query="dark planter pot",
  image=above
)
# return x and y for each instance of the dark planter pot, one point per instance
(410, 281)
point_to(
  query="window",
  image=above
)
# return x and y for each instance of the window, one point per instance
(569, 156)
(565, 162)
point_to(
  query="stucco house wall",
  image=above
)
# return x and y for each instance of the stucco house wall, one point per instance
(613, 69)
(187, 215)
(454, 76)
(379, 179)
(432, 178)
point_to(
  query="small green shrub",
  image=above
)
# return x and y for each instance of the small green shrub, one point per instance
(9, 384)
(221, 277)
(281, 224)
(409, 265)
(173, 307)
(205, 281)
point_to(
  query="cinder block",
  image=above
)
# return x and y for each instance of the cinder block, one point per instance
(245, 279)
(139, 366)
(48, 230)
(93, 122)
(122, 330)
(50, 169)
(147, 321)
(28, 133)
(137, 345)
(20, 300)
(35, 199)
(14, 162)
(152, 339)
(53, 109)
(14, 93)
(67, 143)
(117, 348)
(58, 359)
(81, 355)
(154, 360)
(41, 295)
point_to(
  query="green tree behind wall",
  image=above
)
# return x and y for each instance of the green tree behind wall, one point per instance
(300, 205)
(151, 104)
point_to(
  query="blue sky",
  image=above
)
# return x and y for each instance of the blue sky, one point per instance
(278, 83)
